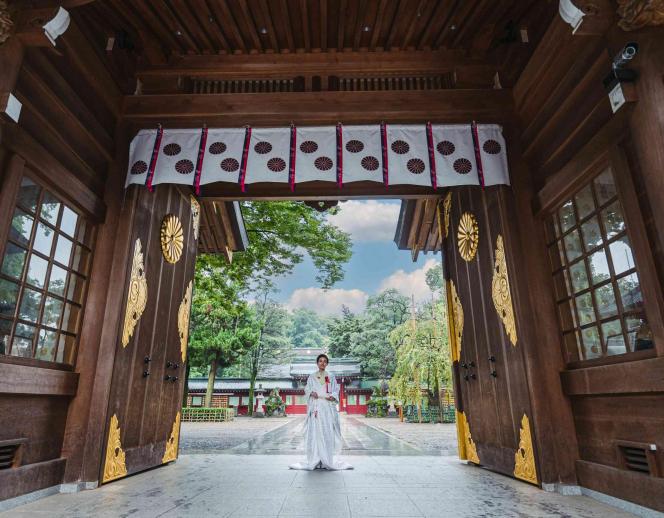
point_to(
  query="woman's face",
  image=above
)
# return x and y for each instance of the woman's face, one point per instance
(322, 363)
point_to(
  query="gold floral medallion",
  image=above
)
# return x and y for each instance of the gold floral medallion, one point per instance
(468, 236)
(172, 240)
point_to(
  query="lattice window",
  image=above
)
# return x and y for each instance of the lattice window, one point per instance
(597, 287)
(43, 277)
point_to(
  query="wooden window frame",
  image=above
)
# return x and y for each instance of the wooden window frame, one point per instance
(604, 151)
(15, 172)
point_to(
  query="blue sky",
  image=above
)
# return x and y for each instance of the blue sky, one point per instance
(376, 263)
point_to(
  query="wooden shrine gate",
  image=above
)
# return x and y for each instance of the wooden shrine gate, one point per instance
(146, 391)
(494, 417)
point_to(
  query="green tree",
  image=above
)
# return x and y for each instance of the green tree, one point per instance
(434, 278)
(309, 329)
(272, 323)
(422, 358)
(371, 345)
(222, 328)
(280, 233)
(341, 331)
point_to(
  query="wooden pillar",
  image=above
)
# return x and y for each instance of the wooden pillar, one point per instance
(552, 415)
(645, 124)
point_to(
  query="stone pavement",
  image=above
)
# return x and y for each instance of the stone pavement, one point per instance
(254, 484)
(434, 439)
(217, 437)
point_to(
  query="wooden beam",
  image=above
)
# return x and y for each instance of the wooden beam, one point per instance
(23, 379)
(315, 191)
(305, 24)
(229, 110)
(84, 58)
(476, 71)
(69, 110)
(378, 24)
(323, 25)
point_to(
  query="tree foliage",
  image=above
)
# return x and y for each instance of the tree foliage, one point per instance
(272, 323)
(341, 332)
(423, 358)
(279, 235)
(309, 329)
(371, 344)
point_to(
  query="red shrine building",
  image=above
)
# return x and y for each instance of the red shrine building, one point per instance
(290, 379)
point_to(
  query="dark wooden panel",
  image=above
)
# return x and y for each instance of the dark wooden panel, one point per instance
(40, 419)
(603, 420)
(634, 487)
(22, 379)
(26, 479)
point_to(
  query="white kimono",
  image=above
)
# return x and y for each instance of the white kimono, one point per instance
(322, 429)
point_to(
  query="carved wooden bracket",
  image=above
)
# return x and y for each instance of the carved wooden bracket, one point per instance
(635, 14)
(6, 22)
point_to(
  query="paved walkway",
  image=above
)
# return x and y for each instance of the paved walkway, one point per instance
(219, 437)
(247, 482)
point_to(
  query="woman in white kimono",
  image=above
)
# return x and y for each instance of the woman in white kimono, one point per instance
(322, 430)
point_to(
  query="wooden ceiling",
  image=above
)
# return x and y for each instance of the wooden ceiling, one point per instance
(183, 27)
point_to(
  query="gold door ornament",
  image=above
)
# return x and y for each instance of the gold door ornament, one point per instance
(500, 292)
(195, 217)
(172, 238)
(171, 452)
(469, 451)
(524, 458)
(468, 236)
(457, 318)
(447, 208)
(114, 466)
(137, 296)
(183, 320)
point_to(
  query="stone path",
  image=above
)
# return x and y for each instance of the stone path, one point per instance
(218, 437)
(358, 439)
(247, 482)
(434, 439)
(261, 486)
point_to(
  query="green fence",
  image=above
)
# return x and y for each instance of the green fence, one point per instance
(430, 415)
(207, 414)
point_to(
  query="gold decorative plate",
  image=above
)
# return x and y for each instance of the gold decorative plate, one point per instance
(468, 236)
(172, 240)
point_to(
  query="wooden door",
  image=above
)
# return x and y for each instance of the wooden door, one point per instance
(148, 376)
(494, 419)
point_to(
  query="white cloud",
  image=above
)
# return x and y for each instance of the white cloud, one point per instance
(411, 283)
(327, 302)
(367, 220)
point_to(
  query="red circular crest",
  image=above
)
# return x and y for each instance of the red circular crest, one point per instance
(184, 166)
(370, 163)
(276, 165)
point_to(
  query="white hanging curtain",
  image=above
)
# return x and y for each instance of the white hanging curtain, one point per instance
(433, 155)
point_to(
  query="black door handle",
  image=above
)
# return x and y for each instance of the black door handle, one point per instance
(494, 374)
(146, 374)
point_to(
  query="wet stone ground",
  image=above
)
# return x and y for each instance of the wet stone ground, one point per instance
(392, 478)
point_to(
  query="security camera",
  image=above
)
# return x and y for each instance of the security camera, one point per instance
(626, 54)
(619, 73)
